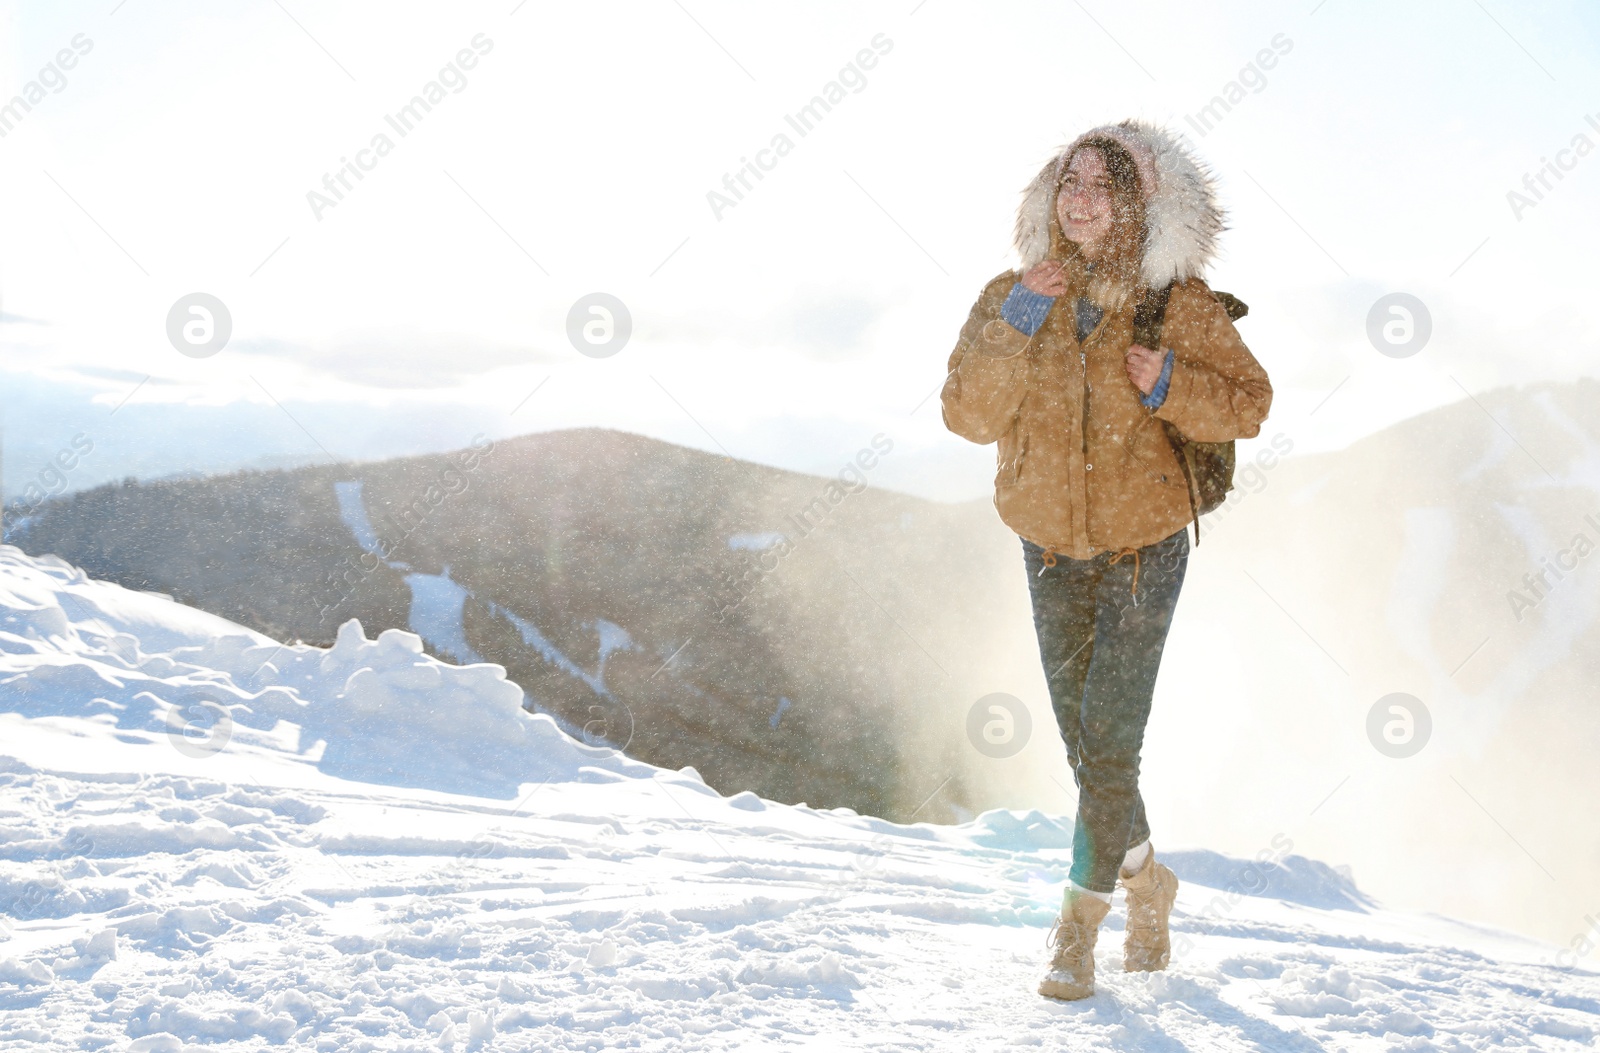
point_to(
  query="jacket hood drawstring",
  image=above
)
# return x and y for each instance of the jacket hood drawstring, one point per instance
(1134, 588)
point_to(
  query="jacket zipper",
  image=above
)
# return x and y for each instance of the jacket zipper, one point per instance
(1083, 419)
(1083, 364)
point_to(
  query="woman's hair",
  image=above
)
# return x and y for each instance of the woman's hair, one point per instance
(1115, 279)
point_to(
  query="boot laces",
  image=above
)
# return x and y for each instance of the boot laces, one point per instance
(1062, 932)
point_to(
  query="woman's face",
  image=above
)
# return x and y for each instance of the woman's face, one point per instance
(1084, 205)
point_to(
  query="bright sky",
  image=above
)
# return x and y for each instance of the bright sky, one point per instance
(576, 156)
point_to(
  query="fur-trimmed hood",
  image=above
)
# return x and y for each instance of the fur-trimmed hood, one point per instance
(1182, 216)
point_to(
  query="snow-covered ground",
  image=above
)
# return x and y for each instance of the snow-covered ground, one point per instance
(213, 841)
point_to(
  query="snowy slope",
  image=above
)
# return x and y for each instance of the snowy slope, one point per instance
(212, 841)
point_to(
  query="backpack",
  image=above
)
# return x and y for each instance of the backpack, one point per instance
(1207, 466)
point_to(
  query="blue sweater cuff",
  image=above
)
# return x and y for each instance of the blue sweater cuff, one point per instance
(1025, 309)
(1158, 394)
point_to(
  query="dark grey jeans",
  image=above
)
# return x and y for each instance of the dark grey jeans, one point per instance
(1101, 646)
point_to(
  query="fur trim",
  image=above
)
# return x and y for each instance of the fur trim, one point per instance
(1182, 216)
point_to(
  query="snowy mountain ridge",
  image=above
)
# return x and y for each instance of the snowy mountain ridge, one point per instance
(216, 841)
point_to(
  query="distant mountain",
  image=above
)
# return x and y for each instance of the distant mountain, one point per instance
(764, 626)
(1453, 558)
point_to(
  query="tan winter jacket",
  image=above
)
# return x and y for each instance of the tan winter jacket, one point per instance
(1083, 466)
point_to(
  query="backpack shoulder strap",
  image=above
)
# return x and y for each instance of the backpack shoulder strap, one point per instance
(1148, 319)
(1150, 316)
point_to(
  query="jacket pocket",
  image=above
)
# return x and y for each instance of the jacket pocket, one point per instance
(1013, 448)
(1158, 457)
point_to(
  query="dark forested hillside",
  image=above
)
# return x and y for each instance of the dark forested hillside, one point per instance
(765, 626)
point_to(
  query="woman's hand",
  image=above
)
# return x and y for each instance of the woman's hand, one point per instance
(1048, 279)
(1144, 367)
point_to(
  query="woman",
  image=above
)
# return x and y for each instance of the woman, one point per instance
(1047, 366)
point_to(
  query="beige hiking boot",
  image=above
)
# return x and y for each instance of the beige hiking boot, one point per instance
(1071, 974)
(1151, 892)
